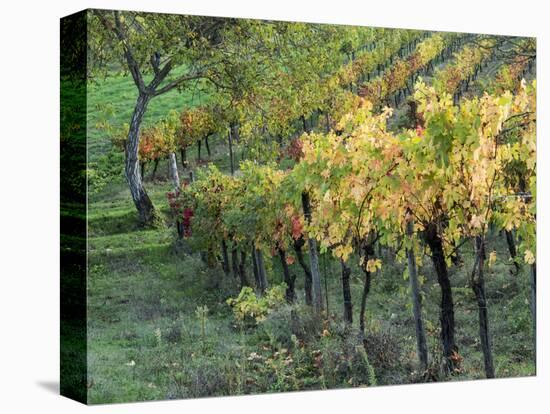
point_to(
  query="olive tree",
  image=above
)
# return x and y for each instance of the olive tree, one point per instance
(161, 52)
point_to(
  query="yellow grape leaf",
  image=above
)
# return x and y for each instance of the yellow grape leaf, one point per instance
(343, 251)
(529, 257)
(475, 222)
(373, 265)
(492, 258)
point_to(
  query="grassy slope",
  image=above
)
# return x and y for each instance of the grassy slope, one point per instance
(113, 99)
(143, 293)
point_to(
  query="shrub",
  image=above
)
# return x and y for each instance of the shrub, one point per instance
(288, 323)
(386, 354)
(249, 309)
(202, 377)
(343, 362)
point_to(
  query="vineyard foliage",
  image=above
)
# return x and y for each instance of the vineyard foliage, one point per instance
(454, 171)
(405, 159)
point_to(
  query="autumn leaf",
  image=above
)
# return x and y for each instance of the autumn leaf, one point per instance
(373, 265)
(529, 257)
(492, 258)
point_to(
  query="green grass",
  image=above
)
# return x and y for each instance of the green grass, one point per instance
(145, 339)
(112, 99)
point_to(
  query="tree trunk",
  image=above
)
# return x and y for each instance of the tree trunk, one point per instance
(366, 290)
(180, 229)
(255, 269)
(325, 280)
(235, 262)
(225, 258)
(298, 244)
(314, 259)
(317, 297)
(140, 198)
(174, 171)
(478, 285)
(204, 256)
(242, 270)
(304, 124)
(207, 146)
(447, 317)
(199, 143)
(421, 348)
(183, 153)
(533, 303)
(512, 249)
(289, 278)
(261, 270)
(155, 166)
(235, 132)
(231, 161)
(346, 291)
